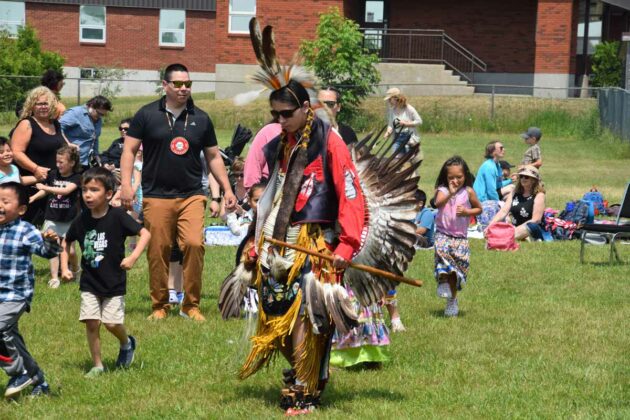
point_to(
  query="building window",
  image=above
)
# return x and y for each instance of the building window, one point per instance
(241, 12)
(596, 10)
(88, 73)
(172, 28)
(11, 17)
(92, 24)
(374, 11)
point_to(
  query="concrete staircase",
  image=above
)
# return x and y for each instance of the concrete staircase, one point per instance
(422, 80)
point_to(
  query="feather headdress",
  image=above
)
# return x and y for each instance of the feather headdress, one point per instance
(272, 75)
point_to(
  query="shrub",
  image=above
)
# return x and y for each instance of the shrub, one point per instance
(23, 56)
(339, 59)
(607, 65)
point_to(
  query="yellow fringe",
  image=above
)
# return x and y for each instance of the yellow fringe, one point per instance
(308, 357)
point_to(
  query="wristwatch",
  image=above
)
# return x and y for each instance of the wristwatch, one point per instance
(217, 199)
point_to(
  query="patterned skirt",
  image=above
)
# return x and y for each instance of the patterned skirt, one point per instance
(452, 255)
(368, 342)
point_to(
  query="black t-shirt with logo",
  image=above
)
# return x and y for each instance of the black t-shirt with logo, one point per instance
(102, 243)
(172, 165)
(62, 208)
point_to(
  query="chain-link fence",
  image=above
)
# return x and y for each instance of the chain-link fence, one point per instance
(443, 107)
(614, 111)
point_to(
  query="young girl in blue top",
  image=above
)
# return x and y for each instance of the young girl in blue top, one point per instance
(456, 201)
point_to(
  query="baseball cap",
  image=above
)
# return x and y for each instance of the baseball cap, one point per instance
(505, 164)
(391, 93)
(532, 132)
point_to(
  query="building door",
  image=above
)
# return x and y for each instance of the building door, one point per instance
(375, 25)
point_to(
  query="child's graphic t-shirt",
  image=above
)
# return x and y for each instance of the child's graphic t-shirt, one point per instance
(62, 208)
(102, 243)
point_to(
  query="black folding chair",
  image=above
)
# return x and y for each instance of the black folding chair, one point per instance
(609, 231)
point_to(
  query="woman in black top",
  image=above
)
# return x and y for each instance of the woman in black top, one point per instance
(526, 204)
(35, 142)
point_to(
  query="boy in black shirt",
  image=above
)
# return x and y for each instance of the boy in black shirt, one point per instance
(101, 231)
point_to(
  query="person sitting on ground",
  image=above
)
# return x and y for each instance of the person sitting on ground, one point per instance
(488, 182)
(424, 221)
(533, 155)
(525, 205)
(101, 231)
(110, 158)
(507, 178)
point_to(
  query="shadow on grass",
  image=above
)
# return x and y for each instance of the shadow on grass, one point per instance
(271, 395)
(439, 313)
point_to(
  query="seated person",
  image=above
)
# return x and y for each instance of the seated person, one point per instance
(507, 179)
(525, 205)
(425, 221)
(110, 158)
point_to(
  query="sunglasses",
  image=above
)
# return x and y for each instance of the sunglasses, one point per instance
(100, 113)
(123, 128)
(179, 83)
(330, 104)
(286, 114)
(501, 147)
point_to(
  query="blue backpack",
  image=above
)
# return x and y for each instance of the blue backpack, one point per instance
(579, 212)
(597, 199)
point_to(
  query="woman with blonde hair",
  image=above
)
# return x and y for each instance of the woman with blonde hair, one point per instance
(36, 139)
(402, 119)
(526, 204)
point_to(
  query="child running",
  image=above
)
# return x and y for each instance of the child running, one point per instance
(101, 231)
(62, 186)
(18, 241)
(456, 201)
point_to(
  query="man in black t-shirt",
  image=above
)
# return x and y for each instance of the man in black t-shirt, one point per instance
(173, 133)
(329, 97)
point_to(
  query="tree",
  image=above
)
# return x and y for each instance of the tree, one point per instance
(607, 65)
(339, 59)
(23, 56)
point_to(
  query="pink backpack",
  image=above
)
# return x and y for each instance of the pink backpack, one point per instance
(500, 236)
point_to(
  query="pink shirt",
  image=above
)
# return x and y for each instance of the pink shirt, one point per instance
(447, 221)
(256, 166)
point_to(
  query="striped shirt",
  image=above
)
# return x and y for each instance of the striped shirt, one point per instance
(18, 241)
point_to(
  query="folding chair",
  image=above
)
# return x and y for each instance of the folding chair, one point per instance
(609, 231)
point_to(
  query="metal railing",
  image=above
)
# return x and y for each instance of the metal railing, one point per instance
(614, 111)
(422, 46)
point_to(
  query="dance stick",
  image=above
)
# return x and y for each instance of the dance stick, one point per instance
(367, 268)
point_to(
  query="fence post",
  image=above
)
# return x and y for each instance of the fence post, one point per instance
(492, 104)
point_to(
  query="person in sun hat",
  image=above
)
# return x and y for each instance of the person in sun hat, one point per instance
(524, 207)
(402, 121)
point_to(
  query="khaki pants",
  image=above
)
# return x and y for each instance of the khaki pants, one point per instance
(181, 219)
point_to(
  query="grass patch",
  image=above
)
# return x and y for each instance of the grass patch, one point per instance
(539, 334)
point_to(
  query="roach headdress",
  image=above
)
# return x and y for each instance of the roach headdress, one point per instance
(272, 75)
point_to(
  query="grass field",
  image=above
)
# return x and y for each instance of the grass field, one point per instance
(539, 335)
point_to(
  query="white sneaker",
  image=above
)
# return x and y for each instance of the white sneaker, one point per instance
(444, 291)
(53, 283)
(452, 308)
(172, 297)
(397, 325)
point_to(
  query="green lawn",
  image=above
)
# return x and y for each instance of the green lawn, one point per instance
(539, 335)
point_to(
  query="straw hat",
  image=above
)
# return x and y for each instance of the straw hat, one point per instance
(392, 92)
(530, 171)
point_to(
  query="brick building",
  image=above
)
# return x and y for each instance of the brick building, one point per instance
(528, 43)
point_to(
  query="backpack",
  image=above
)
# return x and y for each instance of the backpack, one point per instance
(598, 201)
(500, 237)
(569, 222)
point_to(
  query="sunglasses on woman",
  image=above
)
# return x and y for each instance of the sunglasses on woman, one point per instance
(287, 113)
(123, 128)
